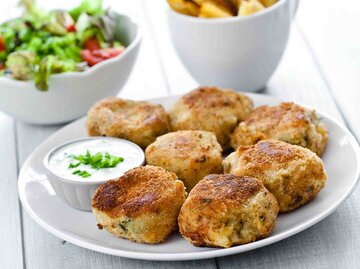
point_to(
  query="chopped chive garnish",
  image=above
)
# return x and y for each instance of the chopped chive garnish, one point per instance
(74, 165)
(82, 173)
(96, 161)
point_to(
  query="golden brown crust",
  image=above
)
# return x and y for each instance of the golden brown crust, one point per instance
(230, 189)
(210, 109)
(141, 189)
(139, 122)
(227, 210)
(190, 154)
(293, 174)
(287, 122)
(142, 205)
(268, 151)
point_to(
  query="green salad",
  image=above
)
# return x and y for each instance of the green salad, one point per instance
(42, 43)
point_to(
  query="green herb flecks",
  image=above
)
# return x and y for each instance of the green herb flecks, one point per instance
(74, 165)
(96, 161)
(82, 173)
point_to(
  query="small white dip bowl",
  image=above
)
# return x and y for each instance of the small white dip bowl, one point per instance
(75, 190)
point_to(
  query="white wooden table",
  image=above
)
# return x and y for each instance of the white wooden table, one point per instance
(320, 68)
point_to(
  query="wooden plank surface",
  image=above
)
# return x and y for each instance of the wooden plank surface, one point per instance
(146, 81)
(331, 29)
(10, 224)
(334, 242)
(178, 79)
(298, 79)
(322, 58)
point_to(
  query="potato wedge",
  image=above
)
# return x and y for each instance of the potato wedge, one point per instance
(213, 10)
(268, 3)
(249, 7)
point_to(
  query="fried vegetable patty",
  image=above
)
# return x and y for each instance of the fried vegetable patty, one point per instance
(287, 122)
(190, 154)
(210, 109)
(293, 174)
(139, 122)
(227, 210)
(142, 205)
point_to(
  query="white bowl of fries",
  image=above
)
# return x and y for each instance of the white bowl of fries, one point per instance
(233, 44)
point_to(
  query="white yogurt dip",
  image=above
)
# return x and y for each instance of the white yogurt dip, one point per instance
(60, 159)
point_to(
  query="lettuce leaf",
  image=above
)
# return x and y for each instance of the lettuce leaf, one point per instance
(90, 7)
(52, 65)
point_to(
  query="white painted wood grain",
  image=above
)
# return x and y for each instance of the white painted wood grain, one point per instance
(147, 79)
(296, 79)
(178, 79)
(10, 224)
(332, 30)
(335, 241)
(42, 248)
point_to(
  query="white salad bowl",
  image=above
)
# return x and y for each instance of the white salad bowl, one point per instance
(70, 95)
(239, 52)
(79, 193)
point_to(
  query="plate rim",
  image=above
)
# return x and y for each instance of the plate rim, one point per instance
(211, 253)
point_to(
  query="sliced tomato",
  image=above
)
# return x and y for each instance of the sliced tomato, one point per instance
(88, 57)
(93, 57)
(92, 44)
(108, 52)
(2, 44)
(71, 28)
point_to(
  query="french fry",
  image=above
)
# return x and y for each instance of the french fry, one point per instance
(178, 6)
(236, 3)
(219, 8)
(199, 2)
(268, 3)
(192, 8)
(249, 7)
(213, 10)
(226, 4)
(184, 7)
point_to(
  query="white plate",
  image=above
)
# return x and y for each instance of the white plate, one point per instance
(341, 158)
